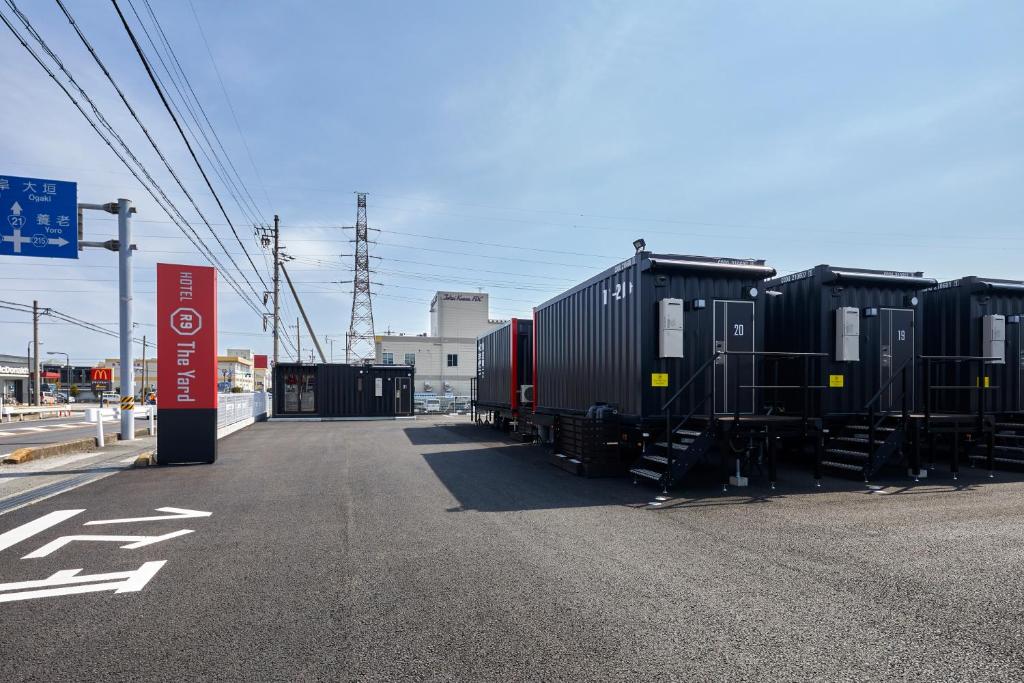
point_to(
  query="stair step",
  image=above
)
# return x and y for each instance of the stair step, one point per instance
(852, 439)
(847, 453)
(864, 428)
(1011, 449)
(1010, 425)
(843, 466)
(660, 459)
(1013, 437)
(1005, 461)
(688, 432)
(646, 473)
(675, 446)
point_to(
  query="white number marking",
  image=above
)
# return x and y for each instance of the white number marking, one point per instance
(174, 513)
(32, 528)
(132, 542)
(70, 583)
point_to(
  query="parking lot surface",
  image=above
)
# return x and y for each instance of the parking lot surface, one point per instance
(436, 550)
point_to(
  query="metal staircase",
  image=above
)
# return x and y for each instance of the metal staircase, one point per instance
(1008, 443)
(852, 449)
(663, 463)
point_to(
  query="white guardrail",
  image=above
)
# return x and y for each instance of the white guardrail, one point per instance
(234, 412)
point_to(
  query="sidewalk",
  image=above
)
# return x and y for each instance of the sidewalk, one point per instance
(36, 480)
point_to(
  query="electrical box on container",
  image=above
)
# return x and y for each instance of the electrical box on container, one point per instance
(848, 333)
(670, 328)
(993, 337)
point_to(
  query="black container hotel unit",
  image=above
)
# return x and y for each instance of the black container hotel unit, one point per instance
(632, 335)
(504, 368)
(979, 317)
(866, 321)
(334, 390)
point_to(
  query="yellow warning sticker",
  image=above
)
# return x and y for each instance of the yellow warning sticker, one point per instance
(127, 403)
(977, 382)
(835, 381)
(659, 379)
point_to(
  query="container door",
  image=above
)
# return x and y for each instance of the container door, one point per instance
(896, 347)
(403, 396)
(307, 392)
(1018, 331)
(734, 373)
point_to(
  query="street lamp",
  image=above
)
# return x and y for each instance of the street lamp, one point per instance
(28, 360)
(67, 368)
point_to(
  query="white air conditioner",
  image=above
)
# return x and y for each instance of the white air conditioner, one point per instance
(526, 393)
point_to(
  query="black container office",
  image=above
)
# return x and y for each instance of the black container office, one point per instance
(631, 335)
(977, 322)
(669, 346)
(334, 390)
(867, 324)
(977, 317)
(504, 370)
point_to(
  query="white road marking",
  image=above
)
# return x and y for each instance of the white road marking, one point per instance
(176, 513)
(29, 529)
(33, 429)
(133, 542)
(119, 582)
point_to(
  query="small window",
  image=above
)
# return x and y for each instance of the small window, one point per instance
(389, 358)
(410, 359)
(453, 360)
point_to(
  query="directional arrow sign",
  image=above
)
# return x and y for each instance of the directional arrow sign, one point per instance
(132, 542)
(175, 513)
(38, 217)
(68, 582)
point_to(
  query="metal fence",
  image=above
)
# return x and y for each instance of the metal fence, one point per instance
(233, 408)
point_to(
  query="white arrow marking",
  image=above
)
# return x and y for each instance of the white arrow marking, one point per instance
(59, 241)
(32, 528)
(176, 513)
(119, 582)
(16, 209)
(132, 542)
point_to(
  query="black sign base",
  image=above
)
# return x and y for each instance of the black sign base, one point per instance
(186, 436)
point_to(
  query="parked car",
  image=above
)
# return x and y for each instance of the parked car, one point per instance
(432, 405)
(110, 398)
(64, 398)
(49, 398)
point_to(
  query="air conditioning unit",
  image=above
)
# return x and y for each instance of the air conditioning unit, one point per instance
(427, 386)
(526, 393)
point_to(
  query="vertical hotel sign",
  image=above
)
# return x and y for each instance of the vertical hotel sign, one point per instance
(187, 363)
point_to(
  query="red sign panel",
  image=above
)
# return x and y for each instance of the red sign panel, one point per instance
(186, 336)
(259, 362)
(101, 374)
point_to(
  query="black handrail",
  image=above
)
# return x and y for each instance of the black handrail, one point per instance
(692, 379)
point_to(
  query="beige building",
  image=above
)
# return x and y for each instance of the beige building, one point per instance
(235, 368)
(446, 359)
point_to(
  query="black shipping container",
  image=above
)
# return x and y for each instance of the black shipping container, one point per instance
(957, 314)
(504, 366)
(867, 321)
(334, 390)
(602, 341)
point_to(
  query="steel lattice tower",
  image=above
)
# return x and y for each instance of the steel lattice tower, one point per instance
(359, 346)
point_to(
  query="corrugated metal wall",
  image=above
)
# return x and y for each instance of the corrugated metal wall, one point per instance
(954, 312)
(494, 368)
(599, 341)
(803, 319)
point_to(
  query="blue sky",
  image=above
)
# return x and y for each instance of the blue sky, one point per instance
(520, 147)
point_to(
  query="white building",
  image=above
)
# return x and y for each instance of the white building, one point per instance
(446, 359)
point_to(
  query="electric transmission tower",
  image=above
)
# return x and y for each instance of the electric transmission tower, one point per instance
(359, 346)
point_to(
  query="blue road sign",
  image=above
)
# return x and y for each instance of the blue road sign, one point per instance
(38, 217)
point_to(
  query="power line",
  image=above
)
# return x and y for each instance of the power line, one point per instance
(95, 126)
(145, 130)
(163, 99)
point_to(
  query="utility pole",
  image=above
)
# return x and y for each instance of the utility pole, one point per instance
(302, 310)
(35, 351)
(360, 345)
(277, 282)
(298, 342)
(124, 265)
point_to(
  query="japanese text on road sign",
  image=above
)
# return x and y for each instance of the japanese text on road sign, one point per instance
(38, 217)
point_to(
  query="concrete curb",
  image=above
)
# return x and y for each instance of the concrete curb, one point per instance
(145, 459)
(36, 452)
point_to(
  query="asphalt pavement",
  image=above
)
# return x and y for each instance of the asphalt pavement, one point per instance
(436, 550)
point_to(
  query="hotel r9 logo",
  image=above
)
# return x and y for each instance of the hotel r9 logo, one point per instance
(186, 321)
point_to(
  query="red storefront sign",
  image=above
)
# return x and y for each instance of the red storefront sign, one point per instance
(186, 336)
(259, 362)
(101, 374)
